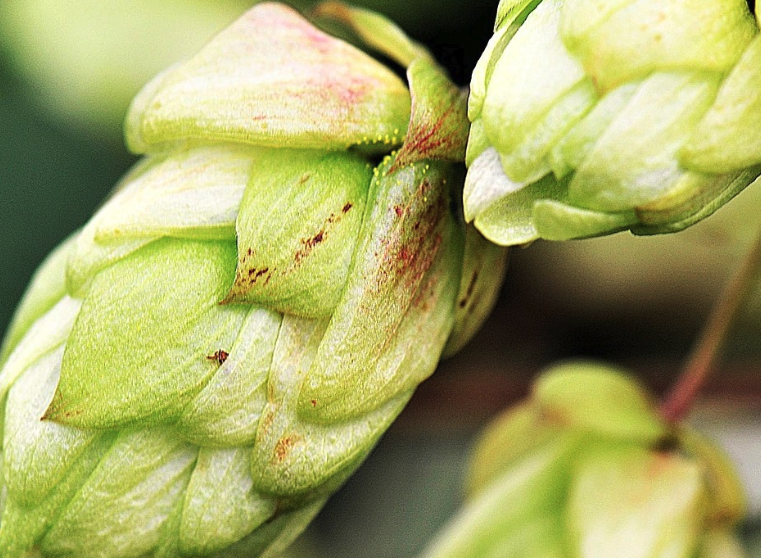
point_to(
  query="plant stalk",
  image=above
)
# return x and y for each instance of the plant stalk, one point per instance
(702, 359)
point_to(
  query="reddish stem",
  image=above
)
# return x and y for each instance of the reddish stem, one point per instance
(676, 405)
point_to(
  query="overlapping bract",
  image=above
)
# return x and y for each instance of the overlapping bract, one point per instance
(585, 468)
(593, 117)
(224, 342)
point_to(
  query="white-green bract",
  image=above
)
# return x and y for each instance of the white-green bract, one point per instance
(585, 468)
(592, 117)
(199, 368)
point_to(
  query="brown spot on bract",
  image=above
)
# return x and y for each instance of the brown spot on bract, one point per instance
(220, 356)
(347, 207)
(314, 402)
(284, 446)
(304, 178)
(469, 291)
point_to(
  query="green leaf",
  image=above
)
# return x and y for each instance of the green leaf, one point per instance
(628, 502)
(142, 344)
(120, 509)
(408, 225)
(273, 79)
(220, 506)
(438, 127)
(297, 229)
(729, 136)
(598, 398)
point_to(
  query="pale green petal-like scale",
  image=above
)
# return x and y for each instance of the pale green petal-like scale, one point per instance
(667, 133)
(297, 229)
(220, 505)
(531, 160)
(37, 453)
(155, 366)
(227, 410)
(631, 502)
(635, 159)
(555, 220)
(293, 86)
(531, 487)
(571, 151)
(729, 136)
(628, 40)
(600, 399)
(284, 461)
(21, 528)
(194, 193)
(486, 183)
(46, 288)
(45, 335)
(533, 72)
(406, 228)
(510, 219)
(121, 507)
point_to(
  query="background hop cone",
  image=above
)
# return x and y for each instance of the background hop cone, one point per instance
(586, 468)
(594, 117)
(223, 343)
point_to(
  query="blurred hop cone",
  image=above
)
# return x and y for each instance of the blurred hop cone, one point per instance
(592, 117)
(585, 468)
(218, 349)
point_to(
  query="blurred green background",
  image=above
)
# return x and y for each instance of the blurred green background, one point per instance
(67, 73)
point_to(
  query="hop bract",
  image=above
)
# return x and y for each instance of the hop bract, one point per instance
(215, 352)
(594, 117)
(585, 468)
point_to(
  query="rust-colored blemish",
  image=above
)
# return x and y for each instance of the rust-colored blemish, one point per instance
(284, 446)
(309, 243)
(314, 402)
(220, 356)
(469, 292)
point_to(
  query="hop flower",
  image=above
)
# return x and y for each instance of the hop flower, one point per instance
(594, 117)
(217, 350)
(586, 468)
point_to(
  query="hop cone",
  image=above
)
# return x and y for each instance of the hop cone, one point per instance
(593, 117)
(586, 469)
(213, 354)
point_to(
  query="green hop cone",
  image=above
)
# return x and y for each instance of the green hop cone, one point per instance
(593, 117)
(199, 368)
(585, 468)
